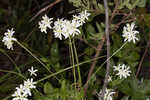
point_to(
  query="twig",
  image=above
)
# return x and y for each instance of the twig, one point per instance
(114, 11)
(85, 41)
(140, 64)
(45, 8)
(108, 49)
(99, 47)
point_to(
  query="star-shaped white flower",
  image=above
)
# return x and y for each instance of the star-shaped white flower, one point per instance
(108, 95)
(19, 95)
(29, 84)
(123, 71)
(42, 27)
(109, 78)
(82, 17)
(65, 28)
(45, 23)
(129, 33)
(32, 71)
(8, 39)
(69, 28)
(24, 90)
(58, 28)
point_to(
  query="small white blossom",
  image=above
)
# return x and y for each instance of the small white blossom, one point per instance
(29, 83)
(123, 71)
(8, 39)
(74, 28)
(42, 27)
(20, 94)
(65, 28)
(20, 89)
(108, 95)
(23, 91)
(58, 28)
(82, 17)
(109, 78)
(69, 28)
(129, 33)
(32, 71)
(45, 23)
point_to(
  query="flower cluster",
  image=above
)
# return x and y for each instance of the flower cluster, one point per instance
(8, 39)
(65, 28)
(129, 33)
(24, 90)
(108, 95)
(123, 70)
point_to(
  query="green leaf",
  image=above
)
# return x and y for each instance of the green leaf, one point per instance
(89, 51)
(48, 89)
(55, 53)
(76, 3)
(142, 3)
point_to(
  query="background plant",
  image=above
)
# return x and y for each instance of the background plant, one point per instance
(24, 15)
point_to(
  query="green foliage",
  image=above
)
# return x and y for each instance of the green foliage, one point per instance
(76, 3)
(55, 54)
(65, 92)
(130, 4)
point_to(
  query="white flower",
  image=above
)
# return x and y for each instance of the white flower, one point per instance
(8, 39)
(129, 33)
(74, 28)
(123, 71)
(19, 95)
(45, 23)
(82, 17)
(42, 27)
(65, 28)
(20, 89)
(32, 71)
(70, 29)
(23, 91)
(58, 28)
(29, 84)
(108, 95)
(109, 78)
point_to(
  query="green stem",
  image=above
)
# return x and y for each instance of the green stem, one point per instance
(77, 60)
(12, 72)
(63, 70)
(34, 57)
(107, 60)
(72, 55)
(10, 60)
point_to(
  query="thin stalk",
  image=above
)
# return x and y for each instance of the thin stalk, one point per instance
(11, 60)
(107, 60)
(72, 55)
(77, 60)
(12, 72)
(63, 70)
(35, 57)
(108, 49)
